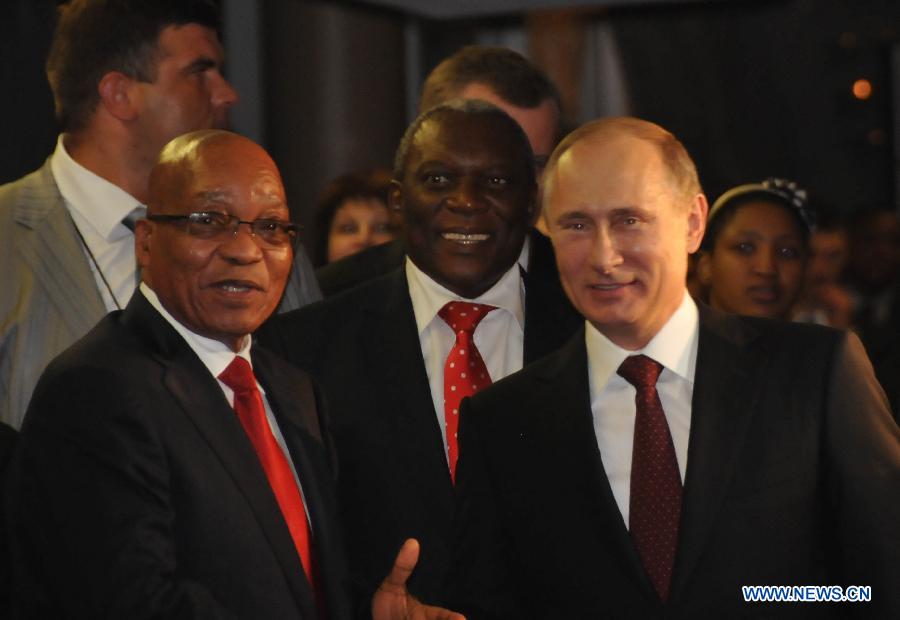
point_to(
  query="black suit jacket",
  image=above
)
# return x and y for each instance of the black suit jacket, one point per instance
(363, 347)
(882, 342)
(793, 477)
(135, 492)
(363, 266)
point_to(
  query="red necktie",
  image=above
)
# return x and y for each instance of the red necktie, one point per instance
(464, 370)
(655, 505)
(249, 407)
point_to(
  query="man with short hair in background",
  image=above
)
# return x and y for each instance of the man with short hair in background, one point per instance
(507, 79)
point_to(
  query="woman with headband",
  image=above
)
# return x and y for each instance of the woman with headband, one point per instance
(754, 253)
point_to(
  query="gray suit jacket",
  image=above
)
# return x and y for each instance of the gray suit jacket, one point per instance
(50, 297)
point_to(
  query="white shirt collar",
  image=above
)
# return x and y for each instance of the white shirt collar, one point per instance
(429, 297)
(100, 203)
(674, 346)
(525, 254)
(215, 355)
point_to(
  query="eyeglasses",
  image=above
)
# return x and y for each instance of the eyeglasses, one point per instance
(217, 226)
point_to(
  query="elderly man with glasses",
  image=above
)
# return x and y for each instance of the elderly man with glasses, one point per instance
(167, 466)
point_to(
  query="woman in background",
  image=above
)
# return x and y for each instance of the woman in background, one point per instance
(754, 253)
(353, 215)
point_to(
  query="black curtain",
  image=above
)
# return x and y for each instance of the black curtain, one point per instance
(757, 89)
(28, 130)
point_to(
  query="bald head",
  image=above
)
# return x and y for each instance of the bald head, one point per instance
(616, 130)
(183, 157)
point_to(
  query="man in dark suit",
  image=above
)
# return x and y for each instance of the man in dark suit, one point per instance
(499, 76)
(873, 276)
(127, 76)
(669, 455)
(167, 467)
(465, 185)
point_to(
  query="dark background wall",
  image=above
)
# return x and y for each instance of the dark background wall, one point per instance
(334, 87)
(27, 128)
(764, 88)
(753, 88)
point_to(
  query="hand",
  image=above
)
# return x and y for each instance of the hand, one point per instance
(392, 601)
(836, 301)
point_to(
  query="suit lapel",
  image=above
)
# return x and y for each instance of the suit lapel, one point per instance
(394, 354)
(725, 390)
(201, 399)
(295, 408)
(550, 318)
(55, 255)
(568, 414)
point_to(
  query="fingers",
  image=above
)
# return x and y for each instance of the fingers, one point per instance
(404, 564)
(393, 602)
(427, 612)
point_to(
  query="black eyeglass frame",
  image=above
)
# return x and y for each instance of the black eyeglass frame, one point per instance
(257, 229)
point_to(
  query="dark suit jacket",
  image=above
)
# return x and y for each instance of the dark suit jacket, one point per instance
(882, 342)
(135, 492)
(793, 477)
(355, 269)
(363, 347)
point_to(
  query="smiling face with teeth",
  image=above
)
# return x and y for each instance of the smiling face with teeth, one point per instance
(622, 230)
(467, 197)
(221, 289)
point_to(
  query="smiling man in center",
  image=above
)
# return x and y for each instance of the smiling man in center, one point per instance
(396, 355)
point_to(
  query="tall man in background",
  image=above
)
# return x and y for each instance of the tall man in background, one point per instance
(499, 76)
(127, 76)
(669, 454)
(505, 78)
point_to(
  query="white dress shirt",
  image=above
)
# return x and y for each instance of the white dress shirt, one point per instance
(216, 356)
(97, 207)
(499, 336)
(612, 397)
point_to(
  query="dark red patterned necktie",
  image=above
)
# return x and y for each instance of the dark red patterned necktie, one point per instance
(248, 406)
(655, 505)
(464, 370)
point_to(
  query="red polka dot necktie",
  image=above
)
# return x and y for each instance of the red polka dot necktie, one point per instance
(251, 412)
(655, 505)
(464, 370)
